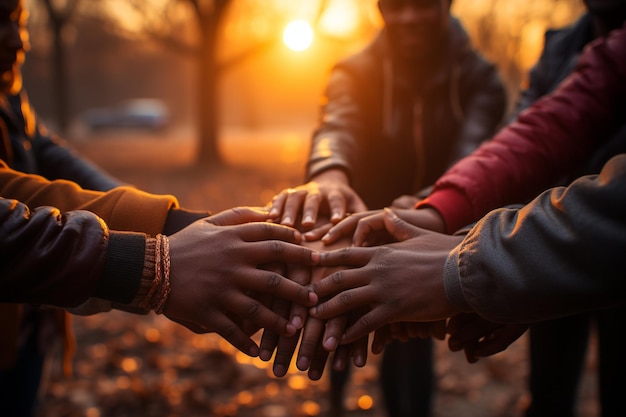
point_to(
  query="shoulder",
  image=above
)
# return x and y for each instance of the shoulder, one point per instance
(367, 60)
(568, 40)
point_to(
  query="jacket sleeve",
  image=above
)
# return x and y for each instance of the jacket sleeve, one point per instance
(561, 254)
(484, 107)
(123, 208)
(547, 141)
(334, 144)
(63, 259)
(57, 160)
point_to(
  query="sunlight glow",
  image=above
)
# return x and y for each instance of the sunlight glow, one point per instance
(298, 35)
(341, 19)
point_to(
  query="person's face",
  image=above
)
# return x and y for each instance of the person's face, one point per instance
(13, 44)
(415, 27)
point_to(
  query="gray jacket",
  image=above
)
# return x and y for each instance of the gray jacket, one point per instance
(391, 139)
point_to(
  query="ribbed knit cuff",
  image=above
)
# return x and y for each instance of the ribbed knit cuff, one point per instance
(123, 267)
(178, 219)
(452, 281)
(454, 208)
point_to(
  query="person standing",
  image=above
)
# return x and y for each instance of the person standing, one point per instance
(554, 371)
(395, 116)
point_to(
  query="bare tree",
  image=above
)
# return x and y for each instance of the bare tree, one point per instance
(208, 16)
(60, 14)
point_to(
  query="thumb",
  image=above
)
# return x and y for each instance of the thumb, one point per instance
(398, 228)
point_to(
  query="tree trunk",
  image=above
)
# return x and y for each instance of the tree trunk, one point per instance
(60, 78)
(208, 112)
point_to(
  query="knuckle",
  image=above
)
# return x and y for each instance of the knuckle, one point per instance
(275, 247)
(365, 321)
(345, 298)
(337, 278)
(229, 331)
(273, 281)
(253, 309)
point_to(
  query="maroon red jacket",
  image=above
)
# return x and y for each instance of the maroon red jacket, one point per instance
(532, 153)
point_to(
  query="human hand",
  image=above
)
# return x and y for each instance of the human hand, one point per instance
(404, 331)
(215, 274)
(398, 282)
(328, 191)
(369, 228)
(405, 202)
(479, 338)
(312, 355)
(239, 215)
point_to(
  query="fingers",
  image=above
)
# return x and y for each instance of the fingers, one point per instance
(284, 352)
(269, 282)
(318, 363)
(337, 205)
(398, 228)
(317, 233)
(382, 336)
(265, 231)
(293, 203)
(311, 208)
(341, 356)
(359, 352)
(365, 324)
(344, 228)
(239, 215)
(310, 343)
(251, 309)
(234, 335)
(335, 284)
(334, 330)
(499, 340)
(299, 313)
(367, 228)
(269, 338)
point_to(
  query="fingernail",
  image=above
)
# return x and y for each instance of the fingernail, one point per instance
(314, 375)
(313, 311)
(303, 363)
(290, 329)
(313, 298)
(253, 351)
(335, 216)
(296, 321)
(273, 212)
(307, 220)
(287, 221)
(359, 361)
(330, 343)
(325, 237)
(279, 370)
(265, 355)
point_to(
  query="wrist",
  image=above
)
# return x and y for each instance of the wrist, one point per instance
(334, 175)
(155, 284)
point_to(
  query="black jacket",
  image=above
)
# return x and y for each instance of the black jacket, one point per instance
(370, 111)
(558, 59)
(30, 148)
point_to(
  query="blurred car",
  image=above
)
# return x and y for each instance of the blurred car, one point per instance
(139, 113)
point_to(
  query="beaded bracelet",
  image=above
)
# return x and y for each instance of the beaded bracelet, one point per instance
(165, 288)
(160, 290)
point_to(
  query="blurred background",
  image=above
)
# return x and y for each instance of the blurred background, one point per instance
(231, 64)
(214, 101)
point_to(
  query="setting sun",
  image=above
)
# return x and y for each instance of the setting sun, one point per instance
(298, 35)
